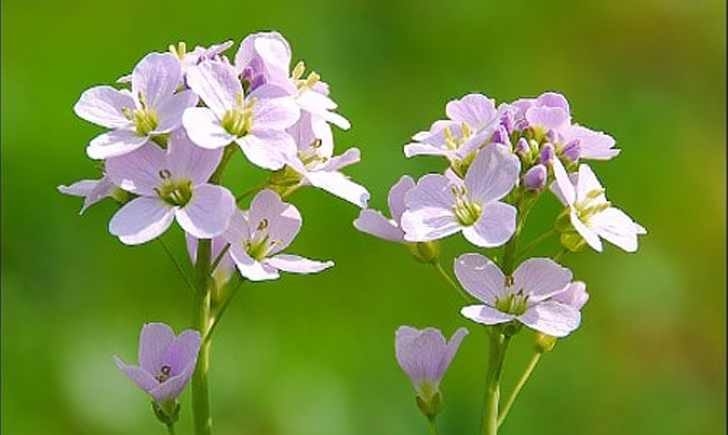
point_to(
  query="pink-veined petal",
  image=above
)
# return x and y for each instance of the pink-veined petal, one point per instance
(339, 185)
(249, 267)
(591, 237)
(138, 172)
(566, 192)
(154, 340)
(395, 199)
(297, 264)
(216, 83)
(141, 220)
(103, 105)
(372, 222)
(269, 149)
(208, 212)
(281, 220)
(114, 143)
(616, 227)
(170, 112)
(204, 129)
(551, 318)
(480, 277)
(493, 174)
(275, 114)
(186, 160)
(156, 76)
(496, 225)
(541, 278)
(139, 376)
(485, 315)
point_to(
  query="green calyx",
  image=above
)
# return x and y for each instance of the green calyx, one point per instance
(174, 192)
(239, 120)
(572, 241)
(429, 400)
(425, 252)
(167, 412)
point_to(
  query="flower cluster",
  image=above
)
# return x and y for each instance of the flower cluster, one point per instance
(500, 160)
(173, 124)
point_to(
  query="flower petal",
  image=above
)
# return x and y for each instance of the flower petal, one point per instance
(452, 347)
(208, 212)
(591, 237)
(573, 295)
(216, 83)
(141, 220)
(541, 278)
(485, 315)
(586, 183)
(156, 77)
(562, 186)
(594, 145)
(475, 109)
(339, 185)
(182, 352)
(249, 268)
(170, 113)
(296, 264)
(552, 318)
(350, 156)
(186, 160)
(420, 354)
(552, 118)
(280, 219)
(204, 129)
(616, 227)
(139, 376)
(173, 386)
(493, 174)
(423, 149)
(395, 199)
(154, 341)
(480, 277)
(138, 172)
(103, 105)
(114, 143)
(496, 225)
(372, 222)
(268, 149)
(275, 114)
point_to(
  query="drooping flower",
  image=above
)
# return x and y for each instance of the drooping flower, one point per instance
(315, 164)
(256, 122)
(166, 362)
(92, 191)
(471, 122)
(425, 356)
(374, 223)
(265, 57)
(439, 206)
(170, 184)
(152, 107)
(257, 236)
(523, 296)
(590, 214)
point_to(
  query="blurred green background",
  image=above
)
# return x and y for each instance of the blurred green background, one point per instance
(313, 355)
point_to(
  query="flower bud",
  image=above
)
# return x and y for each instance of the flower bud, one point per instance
(544, 343)
(547, 153)
(535, 178)
(572, 150)
(501, 136)
(522, 147)
(507, 121)
(425, 252)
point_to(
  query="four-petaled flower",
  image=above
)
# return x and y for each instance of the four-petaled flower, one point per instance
(258, 235)
(373, 222)
(523, 296)
(171, 183)
(424, 355)
(439, 206)
(256, 121)
(151, 108)
(591, 215)
(166, 362)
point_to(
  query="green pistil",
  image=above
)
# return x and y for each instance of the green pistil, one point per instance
(514, 303)
(176, 193)
(260, 246)
(466, 211)
(239, 120)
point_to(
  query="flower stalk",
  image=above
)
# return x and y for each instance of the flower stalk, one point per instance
(497, 353)
(201, 319)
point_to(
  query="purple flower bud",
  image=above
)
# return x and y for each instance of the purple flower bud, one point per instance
(547, 153)
(501, 136)
(507, 121)
(521, 125)
(572, 150)
(535, 178)
(551, 136)
(166, 362)
(522, 147)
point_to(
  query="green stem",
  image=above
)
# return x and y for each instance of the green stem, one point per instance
(535, 242)
(177, 265)
(215, 263)
(497, 353)
(200, 397)
(519, 385)
(170, 429)
(431, 426)
(450, 281)
(560, 254)
(216, 317)
(227, 154)
(251, 191)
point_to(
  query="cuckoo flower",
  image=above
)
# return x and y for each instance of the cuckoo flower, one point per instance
(171, 183)
(574, 295)
(590, 214)
(316, 165)
(424, 355)
(166, 362)
(151, 108)
(92, 191)
(438, 206)
(523, 296)
(255, 122)
(257, 236)
(374, 223)
(265, 57)
(471, 121)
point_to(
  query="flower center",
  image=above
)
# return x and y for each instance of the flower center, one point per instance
(163, 373)
(174, 192)
(515, 303)
(311, 157)
(239, 120)
(594, 203)
(260, 245)
(454, 143)
(466, 211)
(308, 82)
(145, 118)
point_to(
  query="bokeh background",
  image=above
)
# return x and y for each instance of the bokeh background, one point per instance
(314, 355)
